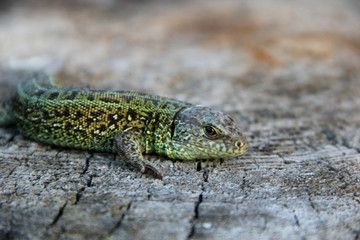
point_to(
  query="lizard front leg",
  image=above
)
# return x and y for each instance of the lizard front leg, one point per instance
(128, 147)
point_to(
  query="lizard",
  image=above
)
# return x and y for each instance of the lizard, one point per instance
(124, 122)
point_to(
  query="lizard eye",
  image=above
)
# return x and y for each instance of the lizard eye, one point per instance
(210, 131)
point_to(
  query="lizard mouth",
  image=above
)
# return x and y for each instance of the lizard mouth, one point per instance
(233, 151)
(203, 151)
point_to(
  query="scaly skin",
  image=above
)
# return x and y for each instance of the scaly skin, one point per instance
(127, 123)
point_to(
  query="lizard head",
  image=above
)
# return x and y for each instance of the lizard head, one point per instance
(202, 133)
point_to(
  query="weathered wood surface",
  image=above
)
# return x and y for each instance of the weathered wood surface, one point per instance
(288, 72)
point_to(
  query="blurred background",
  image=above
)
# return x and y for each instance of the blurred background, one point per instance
(179, 46)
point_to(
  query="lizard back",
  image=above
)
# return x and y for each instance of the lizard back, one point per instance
(89, 119)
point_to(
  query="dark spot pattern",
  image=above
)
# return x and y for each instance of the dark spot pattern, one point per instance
(172, 130)
(66, 112)
(102, 128)
(57, 113)
(112, 120)
(90, 97)
(46, 115)
(88, 121)
(68, 126)
(53, 95)
(79, 113)
(110, 98)
(131, 114)
(72, 95)
(40, 92)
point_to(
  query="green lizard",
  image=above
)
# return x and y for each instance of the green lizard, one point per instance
(127, 123)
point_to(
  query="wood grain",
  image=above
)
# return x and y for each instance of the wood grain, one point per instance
(288, 73)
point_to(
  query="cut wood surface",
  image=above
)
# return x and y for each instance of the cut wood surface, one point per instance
(288, 72)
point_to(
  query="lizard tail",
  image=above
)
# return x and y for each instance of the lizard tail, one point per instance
(35, 84)
(31, 85)
(7, 116)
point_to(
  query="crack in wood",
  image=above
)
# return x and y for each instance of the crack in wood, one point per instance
(297, 223)
(243, 183)
(196, 212)
(6, 235)
(87, 163)
(79, 195)
(197, 205)
(148, 194)
(59, 214)
(11, 172)
(198, 166)
(195, 217)
(312, 203)
(121, 219)
(206, 175)
(88, 183)
(357, 235)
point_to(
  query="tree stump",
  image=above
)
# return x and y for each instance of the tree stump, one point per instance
(289, 73)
